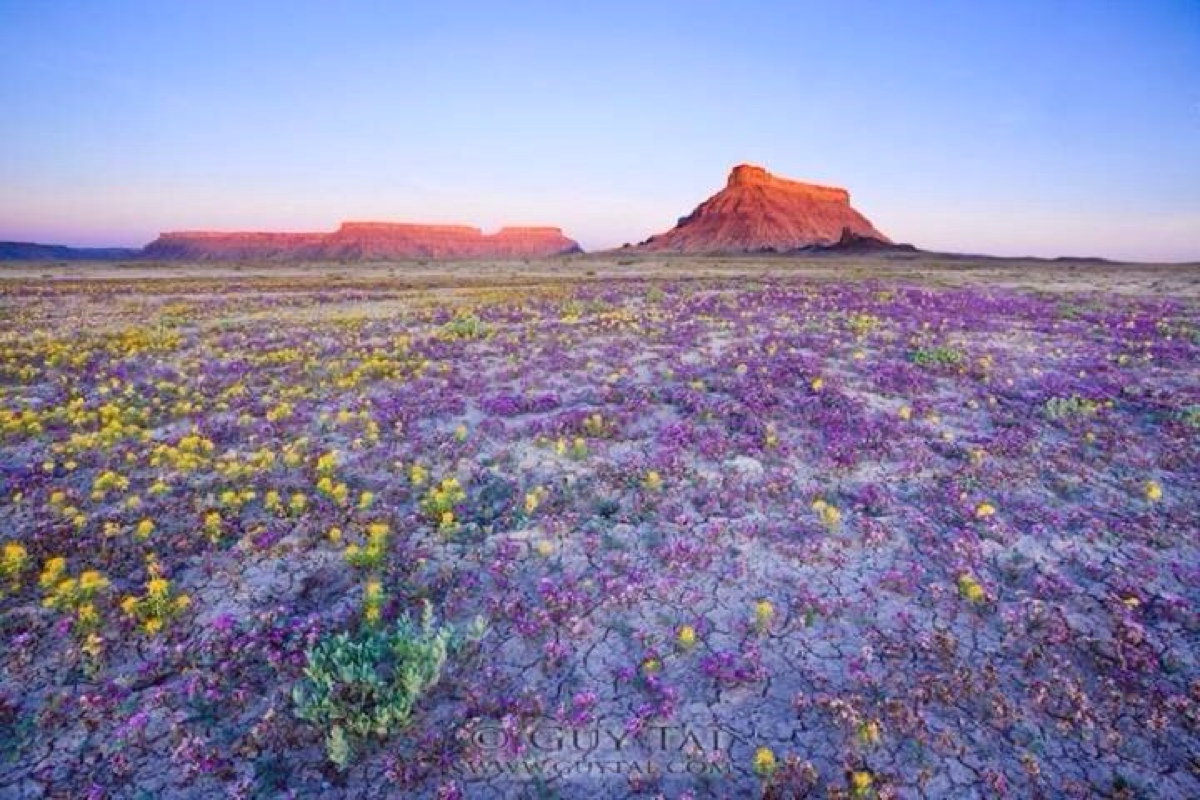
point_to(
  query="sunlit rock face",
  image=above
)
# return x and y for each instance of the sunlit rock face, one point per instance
(366, 241)
(381, 240)
(759, 212)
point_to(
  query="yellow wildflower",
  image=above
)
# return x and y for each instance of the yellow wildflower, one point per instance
(52, 571)
(1152, 491)
(212, 524)
(984, 510)
(91, 581)
(326, 462)
(685, 637)
(579, 447)
(92, 646)
(87, 614)
(970, 589)
(868, 732)
(860, 782)
(764, 612)
(829, 515)
(416, 475)
(13, 558)
(764, 761)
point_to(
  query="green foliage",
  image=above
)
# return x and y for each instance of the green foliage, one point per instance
(1060, 408)
(464, 326)
(337, 747)
(1069, 310)
(935, 357)
(363, 685)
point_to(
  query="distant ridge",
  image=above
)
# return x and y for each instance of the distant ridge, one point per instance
(364, 241)
(29, 251)
(353, 241)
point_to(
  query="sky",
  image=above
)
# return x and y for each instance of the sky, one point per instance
(1019, 127)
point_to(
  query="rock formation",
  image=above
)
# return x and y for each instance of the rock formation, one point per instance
(758, 212)
(364, 241)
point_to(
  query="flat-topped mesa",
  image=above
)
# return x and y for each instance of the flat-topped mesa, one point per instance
(403, 228)
(748, 175)
(760, 212)
(388, 240)
(371, 241)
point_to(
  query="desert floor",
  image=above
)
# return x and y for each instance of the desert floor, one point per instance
(600, 526)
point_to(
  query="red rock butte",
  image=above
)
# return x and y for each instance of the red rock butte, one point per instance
(364, 241)
(759, 212)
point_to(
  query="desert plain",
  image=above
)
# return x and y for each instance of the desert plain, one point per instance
(606, 526)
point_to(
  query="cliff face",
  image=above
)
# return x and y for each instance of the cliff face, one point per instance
(364, 241)
(757, 212)
(383, 240)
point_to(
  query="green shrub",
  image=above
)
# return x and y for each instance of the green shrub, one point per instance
(464, 326)
(1059, 408)
(364, 685)
(935, 357)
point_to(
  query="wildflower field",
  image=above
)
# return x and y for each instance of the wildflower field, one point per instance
(735, 535)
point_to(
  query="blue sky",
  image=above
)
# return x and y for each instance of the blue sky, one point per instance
(1008, 127)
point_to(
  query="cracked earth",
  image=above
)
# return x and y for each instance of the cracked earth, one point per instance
(771, 536)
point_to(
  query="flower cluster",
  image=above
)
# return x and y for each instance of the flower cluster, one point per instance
(440, 501)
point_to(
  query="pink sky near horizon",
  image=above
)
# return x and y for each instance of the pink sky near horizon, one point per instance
(1017, 128)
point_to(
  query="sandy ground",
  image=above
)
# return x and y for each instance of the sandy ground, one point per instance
(1178, 280)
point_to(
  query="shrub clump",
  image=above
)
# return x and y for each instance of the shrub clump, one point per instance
(1060, 408)
(463, 326)
(364, 685)
(935, 357)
